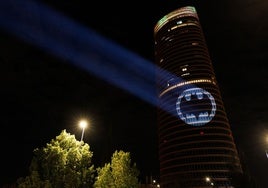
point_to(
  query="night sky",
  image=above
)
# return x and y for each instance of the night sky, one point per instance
(42, 93)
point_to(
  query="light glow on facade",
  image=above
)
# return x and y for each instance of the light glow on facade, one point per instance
(194, 116)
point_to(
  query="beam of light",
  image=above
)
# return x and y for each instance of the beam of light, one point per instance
(51, 31)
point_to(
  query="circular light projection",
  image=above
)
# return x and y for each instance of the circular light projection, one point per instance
(193, 104)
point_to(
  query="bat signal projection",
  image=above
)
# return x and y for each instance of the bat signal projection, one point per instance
(196, 106)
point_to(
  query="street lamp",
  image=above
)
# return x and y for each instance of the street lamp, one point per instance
(83, 125)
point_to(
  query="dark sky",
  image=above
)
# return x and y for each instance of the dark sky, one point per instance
(42, 94)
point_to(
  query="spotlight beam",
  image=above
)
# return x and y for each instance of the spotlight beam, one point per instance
(51, 31)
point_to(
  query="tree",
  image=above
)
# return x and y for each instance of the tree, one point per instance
(63, 163)
(120, 173)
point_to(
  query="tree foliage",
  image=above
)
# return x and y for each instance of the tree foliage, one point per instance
(120, 173)
(63, 163)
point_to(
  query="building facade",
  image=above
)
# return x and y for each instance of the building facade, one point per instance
(196, 146)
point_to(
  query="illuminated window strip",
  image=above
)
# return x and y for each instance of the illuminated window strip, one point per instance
(183, 25)
(186, 83)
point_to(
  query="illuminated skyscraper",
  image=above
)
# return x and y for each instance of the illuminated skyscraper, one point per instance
(196, 146)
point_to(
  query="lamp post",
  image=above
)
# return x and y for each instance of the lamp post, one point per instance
(83, 125)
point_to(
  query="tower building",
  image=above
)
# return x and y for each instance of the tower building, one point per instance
(196, 146)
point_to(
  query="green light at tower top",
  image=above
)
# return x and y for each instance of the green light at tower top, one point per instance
(163, 20)
(185, 11)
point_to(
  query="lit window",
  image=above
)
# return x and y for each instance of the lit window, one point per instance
(184, 69)
(179, 22)
(186, 74)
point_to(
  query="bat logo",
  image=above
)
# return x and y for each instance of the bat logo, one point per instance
(196, 106)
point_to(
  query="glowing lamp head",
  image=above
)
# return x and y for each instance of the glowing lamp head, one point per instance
(83, 124)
